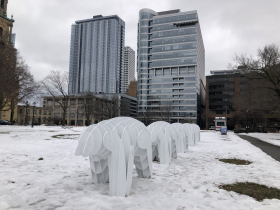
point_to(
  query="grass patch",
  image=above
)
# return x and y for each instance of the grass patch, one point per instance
(66, 136)
(41, 159)
(236, 161)
(256, 191)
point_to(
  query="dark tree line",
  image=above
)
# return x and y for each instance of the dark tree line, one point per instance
(260, 87)
(16, 82)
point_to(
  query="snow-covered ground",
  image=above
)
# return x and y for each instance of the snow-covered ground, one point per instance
(62, 181)
(272, 138)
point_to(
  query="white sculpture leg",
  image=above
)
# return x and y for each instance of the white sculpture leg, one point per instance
(164, 146)
(179, 137)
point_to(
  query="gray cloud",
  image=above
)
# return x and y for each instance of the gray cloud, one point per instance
(228, 27)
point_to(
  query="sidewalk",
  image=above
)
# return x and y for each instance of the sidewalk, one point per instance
(270, 149)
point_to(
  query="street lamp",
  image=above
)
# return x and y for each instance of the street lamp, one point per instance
(145, 119)
(26, 105)
(77, 116)
(247, 122)
(34, 104)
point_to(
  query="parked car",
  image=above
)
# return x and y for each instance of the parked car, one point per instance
(5, 122)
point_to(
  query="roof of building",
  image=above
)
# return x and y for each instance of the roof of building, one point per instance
(228, 72)
(12, 20)
(100, 17)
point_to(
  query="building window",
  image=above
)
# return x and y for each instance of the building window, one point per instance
(2, 3)
(80, 101)
(20, 111)
(1, 32)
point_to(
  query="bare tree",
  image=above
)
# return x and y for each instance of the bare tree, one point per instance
(166, 111)
(17, 82)
(56, 85)
(265, 67)
(112, 105)
(99, 109)
(7, 67)
(124, 107)
(89, 106)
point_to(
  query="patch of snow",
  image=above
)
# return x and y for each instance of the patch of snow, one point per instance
(63, 181)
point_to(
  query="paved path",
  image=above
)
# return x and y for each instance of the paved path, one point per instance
(270, 149)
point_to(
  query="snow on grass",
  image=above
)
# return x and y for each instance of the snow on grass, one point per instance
(272, 138)
(63, 181)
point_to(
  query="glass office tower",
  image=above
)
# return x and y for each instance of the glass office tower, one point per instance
(97, 55)
(170, 66)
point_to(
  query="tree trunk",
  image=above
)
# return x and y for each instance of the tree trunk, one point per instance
(12, 116)
(87, 123)
(63, 118)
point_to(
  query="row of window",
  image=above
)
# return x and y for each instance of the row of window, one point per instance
(178, 32)
(174, 40)
(170, 85)
(225, 107)
(21, 111)
(170, 103)
(173, 55)
(220, 79)
(221, 93)
(175, 18)
(182, 61)
(167, 27)
(170, 80)
(172, 114)
(173, 47)
(225, 85)
(145, 15)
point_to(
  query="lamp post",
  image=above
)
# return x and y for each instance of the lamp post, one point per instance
(77, 115)
(247, 122)
(145, 119)
(26, 105)
(34, 104)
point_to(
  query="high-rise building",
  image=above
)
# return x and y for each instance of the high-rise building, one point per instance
(129, 67)
(132, 89)
(97, 55)
(170, 66)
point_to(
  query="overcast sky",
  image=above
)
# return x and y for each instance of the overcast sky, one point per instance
(228, 27)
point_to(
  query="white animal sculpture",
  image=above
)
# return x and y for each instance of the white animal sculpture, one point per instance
(192, 131)
(112, 146)
(163, 145)
(181, 137)
(196, 131)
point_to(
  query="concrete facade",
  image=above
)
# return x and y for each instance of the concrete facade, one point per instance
(170, 66)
